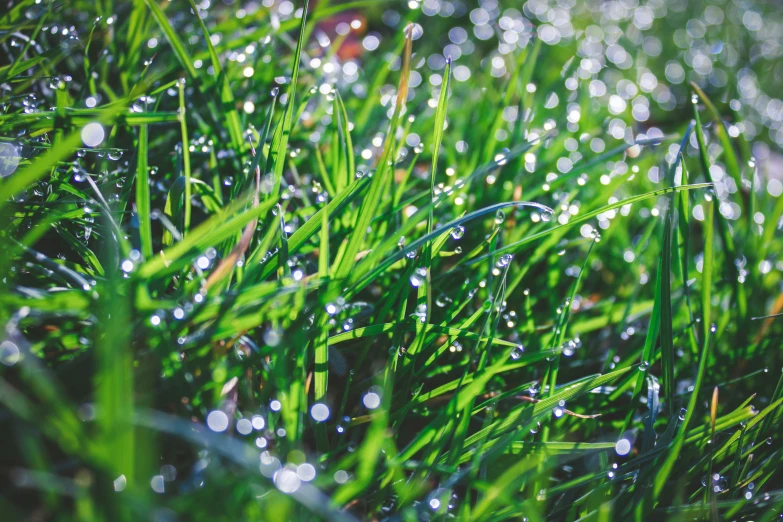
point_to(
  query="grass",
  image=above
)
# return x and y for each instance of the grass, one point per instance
(278, 262)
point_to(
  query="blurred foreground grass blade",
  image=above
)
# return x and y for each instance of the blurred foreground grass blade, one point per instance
(114, 386)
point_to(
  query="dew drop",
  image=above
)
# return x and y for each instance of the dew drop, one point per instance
(442, 300)
(418, 276)
(319, 412)
(534, 389)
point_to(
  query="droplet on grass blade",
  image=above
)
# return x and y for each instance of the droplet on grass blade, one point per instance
(623, 447)
(319, 412)
(418, 276)
(93, 134)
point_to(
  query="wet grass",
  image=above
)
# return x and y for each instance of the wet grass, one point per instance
(248, 275)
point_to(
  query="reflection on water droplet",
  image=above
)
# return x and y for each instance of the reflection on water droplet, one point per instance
(217, 421)
(443, 300)
(623, 447)
(534, 388)
(418, 276)
(9, 353)
(287, 480)
(9, 159)
(319, 412)
(93, 134)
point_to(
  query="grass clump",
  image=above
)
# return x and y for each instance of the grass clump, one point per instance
(383, 260)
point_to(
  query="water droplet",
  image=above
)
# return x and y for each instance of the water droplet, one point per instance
(93, 134)
(9, 159)
(458, 232)
(683, 413)
(421, 313)
(623, 447)
(217, 421)
(319, 412)
(500, 216)
(442, 300)
(517, 351)
(372, 399)
(643, 366)
(504, 260)
(534, 389)
(287, 480)
(418, 276)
